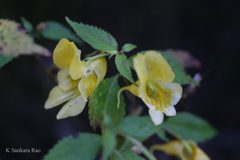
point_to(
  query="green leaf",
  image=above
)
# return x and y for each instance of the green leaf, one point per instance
(56, 31)
(103, 104)
(123, 67)
(109, 143)
(128, 47)
(96, 37)
(4, 60)
(181, 76)
(83, 147)
(138, 127)
(27, 25)
(189, 127)
(126, 155)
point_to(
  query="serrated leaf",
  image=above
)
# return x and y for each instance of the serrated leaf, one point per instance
(126, 155)
(96, 37)
(109, 143)
(4, 60)
(189, 127)
(181, 76)
(27, 25)
(128, 47)
(123, 67)
(55, 31)
(83, 147)
(138, 127)
(103, 104)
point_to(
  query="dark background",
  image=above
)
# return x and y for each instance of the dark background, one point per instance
(209, 29)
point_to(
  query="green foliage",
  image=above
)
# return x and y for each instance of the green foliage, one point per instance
(128, 47)
(109, 143)
(83, 147)
(27, 25)
(123, 67)
(181, 76)
(56, 31)
(138, 127)
(96, 37)
(4, 60)
(189, 127)
(103, 104)
(126, 155)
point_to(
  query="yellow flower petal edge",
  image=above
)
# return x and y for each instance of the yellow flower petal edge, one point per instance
(185, 150)
(64, 53)
(65, 82)
(72, 108)
(151, 65)
(58, 96)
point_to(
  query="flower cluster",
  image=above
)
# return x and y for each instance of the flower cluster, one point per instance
(155, 85)
(77, 79)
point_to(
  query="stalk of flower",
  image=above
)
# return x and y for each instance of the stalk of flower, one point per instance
(76, 79)
(185, 150)
(155, 85)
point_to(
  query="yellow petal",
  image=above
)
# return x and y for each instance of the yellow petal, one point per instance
(57, 96)
(87, 85)
(64, 80)
(160, 94)
(99, 67)
(186, 150)
(72, 108)
(76, 68)
(64, 53)
(152, 65)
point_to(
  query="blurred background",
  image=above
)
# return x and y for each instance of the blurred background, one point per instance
(209, 30)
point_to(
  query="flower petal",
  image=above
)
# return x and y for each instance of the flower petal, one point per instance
(99, 67)
(72, 108)
(156, 116)
(76, 68)
(170, 111)
(87, 85)
(64, 53)
(152, 65)
(64, 80)
(58, 96)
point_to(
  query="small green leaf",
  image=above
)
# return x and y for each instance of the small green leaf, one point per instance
(126, 155)
(109, 143)
(96, 37)
(103, 104)
(123, 67)
(27, 25)
(4, 60)
(189, 127)
(83, 147)
(128, 47)
(56, 31)
(181, 76)
(138, 127)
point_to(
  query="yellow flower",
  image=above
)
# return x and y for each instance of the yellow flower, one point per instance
(76, 80)
(155, 86)
(185, 150)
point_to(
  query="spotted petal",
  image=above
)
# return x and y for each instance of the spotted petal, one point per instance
(87, 85)
(65, 82)
(72, 108)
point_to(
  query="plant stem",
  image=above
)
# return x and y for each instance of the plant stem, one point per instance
(96, 57)
(144, 150)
